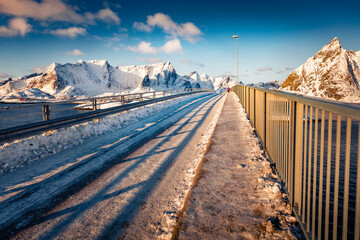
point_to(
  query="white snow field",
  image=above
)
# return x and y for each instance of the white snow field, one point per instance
(123, 176)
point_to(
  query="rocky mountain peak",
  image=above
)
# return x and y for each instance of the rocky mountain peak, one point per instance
(331, 73)
(330, 51)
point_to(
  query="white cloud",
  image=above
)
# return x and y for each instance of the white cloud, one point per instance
(172, 46)
(69, 32)
(188, 30)
(142, 27)
(17, 26)
(4, 76)
(110, 41)
(75, 52)
(105, 15)
(264, 69)
(54, 10)
(144, 47)
(149, 60)
(39, 69)
(188, 61)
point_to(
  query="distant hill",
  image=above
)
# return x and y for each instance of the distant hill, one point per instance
(98, 77)
(268, 85)
(332, 73)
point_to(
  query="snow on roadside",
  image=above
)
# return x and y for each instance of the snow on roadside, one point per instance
(238, 194)
(170, 217)
(280, 223)
(21, 152)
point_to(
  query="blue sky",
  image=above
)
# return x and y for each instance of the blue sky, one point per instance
(274, 36)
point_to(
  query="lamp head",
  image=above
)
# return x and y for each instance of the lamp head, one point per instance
(235, 36)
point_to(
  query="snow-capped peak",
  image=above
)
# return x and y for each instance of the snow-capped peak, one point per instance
(331, 73)
(97, 77)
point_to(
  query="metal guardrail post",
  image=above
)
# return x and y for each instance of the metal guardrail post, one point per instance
(164, 93)
(141, 97)
(177, 91)
(153, 94)
(93, 104)
(170, 92)
(46, 112)
(297, 154)
(59, 122)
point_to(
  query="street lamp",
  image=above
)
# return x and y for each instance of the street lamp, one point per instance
(237, 58)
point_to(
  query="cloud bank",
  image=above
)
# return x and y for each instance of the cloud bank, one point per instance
(54, 10)
(172, 46)
(187, 30)
(71, 32)
(16, 26)
(75, 52)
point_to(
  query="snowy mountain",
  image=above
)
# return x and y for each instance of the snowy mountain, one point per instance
(331, 73)
(221, 84)
(268, 85)
(98, 77)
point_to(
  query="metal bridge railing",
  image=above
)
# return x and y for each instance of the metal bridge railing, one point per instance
(314, 145)
(19, 120)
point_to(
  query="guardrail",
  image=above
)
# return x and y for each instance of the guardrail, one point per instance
(75, 110)
(316, 157)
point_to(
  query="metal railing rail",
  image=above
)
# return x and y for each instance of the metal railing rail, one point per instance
(318, 165)
(37, 127)
(118, 97)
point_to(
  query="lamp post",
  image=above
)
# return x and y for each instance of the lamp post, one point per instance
(237, 58)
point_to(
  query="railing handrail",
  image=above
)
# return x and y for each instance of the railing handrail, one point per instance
(345, 109)
(54, 102)
(288, 126)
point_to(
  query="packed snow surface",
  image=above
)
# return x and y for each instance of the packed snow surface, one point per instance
(237, 196)
(131, 194)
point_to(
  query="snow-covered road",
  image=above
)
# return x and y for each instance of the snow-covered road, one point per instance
(129, 183)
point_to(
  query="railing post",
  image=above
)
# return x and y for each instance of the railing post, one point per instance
(265, 122)
(93, 104)
(122, 100)
(254, 108)
(170, 92)
(297, 152)
(141, 97)
(163, 93)
(46, 112)
(177, 91)
(153, 94)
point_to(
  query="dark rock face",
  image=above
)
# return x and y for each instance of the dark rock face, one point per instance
(146, 81)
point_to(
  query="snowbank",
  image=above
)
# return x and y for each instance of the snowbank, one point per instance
(19, 153)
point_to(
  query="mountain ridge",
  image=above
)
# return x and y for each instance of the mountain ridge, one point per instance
(97, 77)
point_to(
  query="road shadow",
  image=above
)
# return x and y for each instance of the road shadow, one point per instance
(77, 210)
